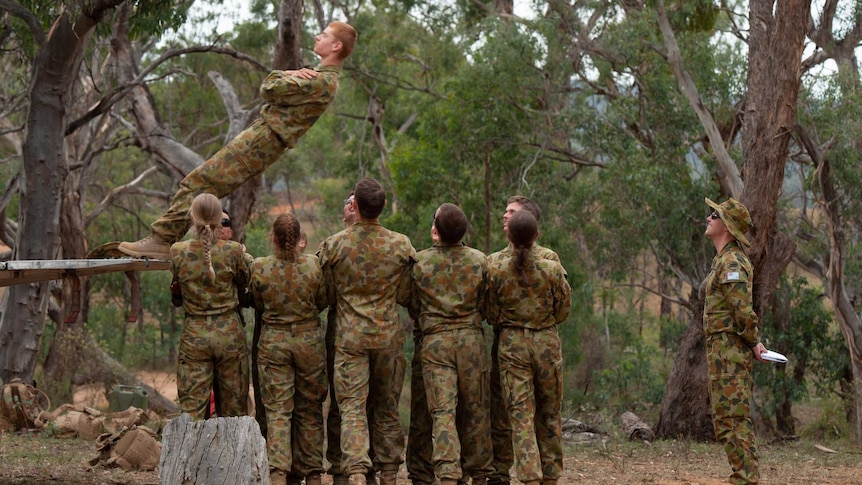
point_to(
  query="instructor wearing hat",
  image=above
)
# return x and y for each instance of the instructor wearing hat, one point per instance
(732, 337)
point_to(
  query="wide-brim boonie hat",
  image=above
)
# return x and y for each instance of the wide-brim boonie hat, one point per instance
(735, 217)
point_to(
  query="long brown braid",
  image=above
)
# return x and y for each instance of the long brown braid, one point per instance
(285, 236)
(206, 215)
(523, 231)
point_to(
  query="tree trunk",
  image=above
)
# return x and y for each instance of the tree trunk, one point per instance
(288, 43)
(44, 171)
(774, 77)
(221, 450)
(685, 409)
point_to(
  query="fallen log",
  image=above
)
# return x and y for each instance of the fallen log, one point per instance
(635, 428)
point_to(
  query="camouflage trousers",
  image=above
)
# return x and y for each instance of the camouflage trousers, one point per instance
(420, 468)
(333, 415)
(246, 156)
(213, 348)
(292, 367)
(455, 368)
(501, 427)
(531, 370)
(358, 374)
(730, 364)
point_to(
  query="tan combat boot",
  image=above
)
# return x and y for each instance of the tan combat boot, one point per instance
(356, 479)
(388, 477)
(150, 247)
(277, 477)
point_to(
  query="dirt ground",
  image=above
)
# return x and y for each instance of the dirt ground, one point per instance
(33, 460)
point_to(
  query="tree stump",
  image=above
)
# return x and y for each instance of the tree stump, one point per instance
(221, 450)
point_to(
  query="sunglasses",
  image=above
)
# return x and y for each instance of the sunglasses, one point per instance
(714, 215)
(225, 223)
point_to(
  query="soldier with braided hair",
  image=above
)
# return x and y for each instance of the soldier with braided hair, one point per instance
(211, 272)
(528, 296)
(289, 293)
(501, 428)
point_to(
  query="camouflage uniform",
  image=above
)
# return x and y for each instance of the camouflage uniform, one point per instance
(501, 428)
(420, 469)
(531, 359)
(731, 331)
(292, 105)
(213, 342)
(366, 268)
(291, 360)
(333, 415)
(449, 294)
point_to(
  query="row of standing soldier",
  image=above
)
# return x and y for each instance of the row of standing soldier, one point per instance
(366, 351)
(479, 413)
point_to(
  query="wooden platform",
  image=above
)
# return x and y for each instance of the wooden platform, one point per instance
(35, 271)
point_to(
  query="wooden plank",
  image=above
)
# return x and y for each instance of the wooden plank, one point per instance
(35, 271)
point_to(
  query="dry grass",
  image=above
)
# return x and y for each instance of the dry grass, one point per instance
(28, 459)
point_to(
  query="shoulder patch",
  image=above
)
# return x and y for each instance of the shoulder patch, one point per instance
(732, 276)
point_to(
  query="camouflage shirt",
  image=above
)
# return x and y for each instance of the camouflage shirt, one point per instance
(448, 289)
(543, 303)
(293, 104)
(367, 271)
(288, 292)
(203, 296)
(729, 297)
(540, 251)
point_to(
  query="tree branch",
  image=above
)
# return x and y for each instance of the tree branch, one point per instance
(16, 10)
(728, 166)
(120, 92)
(116, 193)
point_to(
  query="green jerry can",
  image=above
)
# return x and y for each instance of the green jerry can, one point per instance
(122, 397)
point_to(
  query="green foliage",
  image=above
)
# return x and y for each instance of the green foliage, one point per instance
(816, 350)
(691, 15)
(670, 333)
(635, 374)
(613, 366)
(150, 343)
(257, 237)
(829, 107)
(831, 422)
(157, 16)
